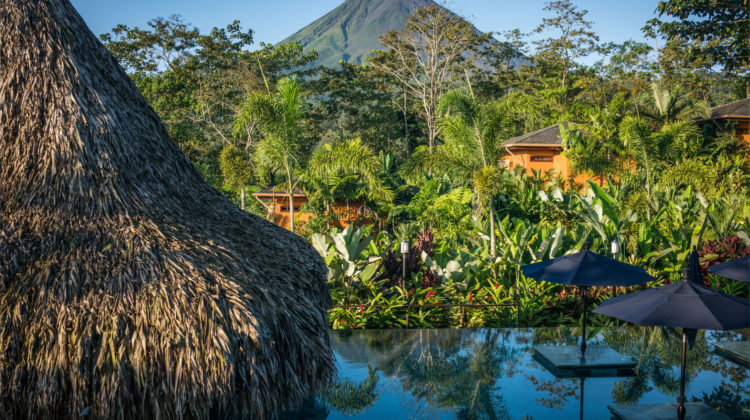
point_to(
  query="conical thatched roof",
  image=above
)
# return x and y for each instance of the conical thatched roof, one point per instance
(128, 287)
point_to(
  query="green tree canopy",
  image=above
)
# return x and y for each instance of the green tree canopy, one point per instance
(720, 29)
(279, 119)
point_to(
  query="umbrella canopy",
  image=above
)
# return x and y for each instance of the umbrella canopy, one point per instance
(684, 304)
(694, 267)
(586, 268)
(738, 269)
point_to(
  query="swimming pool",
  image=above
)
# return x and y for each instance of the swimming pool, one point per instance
(490, 373)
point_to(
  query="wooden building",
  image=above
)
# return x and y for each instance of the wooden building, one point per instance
(737, 112)
(540, 150)
(277, 205)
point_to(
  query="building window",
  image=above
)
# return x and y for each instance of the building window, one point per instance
(541, 158)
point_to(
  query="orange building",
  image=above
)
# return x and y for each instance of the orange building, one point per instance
(277, 206)
(737, 112)
(540, 150)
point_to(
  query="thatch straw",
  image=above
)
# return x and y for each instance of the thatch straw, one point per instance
(129, 287)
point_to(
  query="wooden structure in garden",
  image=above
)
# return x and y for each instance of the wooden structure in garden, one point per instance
(130, 288)
(737, 112)
(540, 150)
(277, 205)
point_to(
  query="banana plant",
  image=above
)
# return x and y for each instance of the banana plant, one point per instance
(445, 270)
(721, 217)
(605, 214)
(549, 244)
(345, 254)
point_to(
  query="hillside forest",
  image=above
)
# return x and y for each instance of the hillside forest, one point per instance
(417, 135)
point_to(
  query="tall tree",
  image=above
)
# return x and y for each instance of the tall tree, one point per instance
(665, 106)
(236, 169)
(650, 150)
(279, 119)
(473, 139)
(357, 101)
(720, 29)
(425, 55)
(572, 39)
(197, 82)
(595, 147)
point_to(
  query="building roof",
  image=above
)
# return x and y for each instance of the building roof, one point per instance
(547, 136)
(734, 110)
(277, 191)
(111, 239)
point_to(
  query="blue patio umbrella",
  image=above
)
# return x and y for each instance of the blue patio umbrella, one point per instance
(585, 269)
(738, 269)
(686, 304)
(694, 267)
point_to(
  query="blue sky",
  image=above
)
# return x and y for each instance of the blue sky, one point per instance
(273, 20)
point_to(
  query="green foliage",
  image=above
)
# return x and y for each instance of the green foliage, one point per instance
(278, 118)
(657, 236)
(349, 398)
(346, 169)
(574, 38)
(429, 125)
(719, 27)
(344, 254)
(425, 55)
(451, 212)
(665, 106)
(236, 166)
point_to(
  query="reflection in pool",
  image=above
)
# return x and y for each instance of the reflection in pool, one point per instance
(490, 374)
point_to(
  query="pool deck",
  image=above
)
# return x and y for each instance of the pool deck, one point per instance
(598, 361)
(693, 411)
(736, 351)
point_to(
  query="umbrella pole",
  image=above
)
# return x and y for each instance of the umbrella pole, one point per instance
(585, 309)
(681, 408)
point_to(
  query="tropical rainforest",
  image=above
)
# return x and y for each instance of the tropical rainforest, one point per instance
(416, 133)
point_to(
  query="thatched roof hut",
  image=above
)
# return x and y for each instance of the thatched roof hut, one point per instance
(128, 286)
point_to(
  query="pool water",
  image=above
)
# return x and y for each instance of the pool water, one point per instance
(491, 374)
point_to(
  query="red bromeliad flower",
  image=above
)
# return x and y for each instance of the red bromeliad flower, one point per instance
(362, 308)
(470, 296)
(430, 294)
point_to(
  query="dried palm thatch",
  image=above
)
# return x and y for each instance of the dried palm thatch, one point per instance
(128, 286)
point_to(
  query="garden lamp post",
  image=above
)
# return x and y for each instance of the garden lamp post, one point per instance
(615, 248)
(404, 251)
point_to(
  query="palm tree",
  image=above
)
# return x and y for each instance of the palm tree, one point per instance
(346, 169)
(472, 139)
(278, 117)
(651, 149)
(665, 106)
